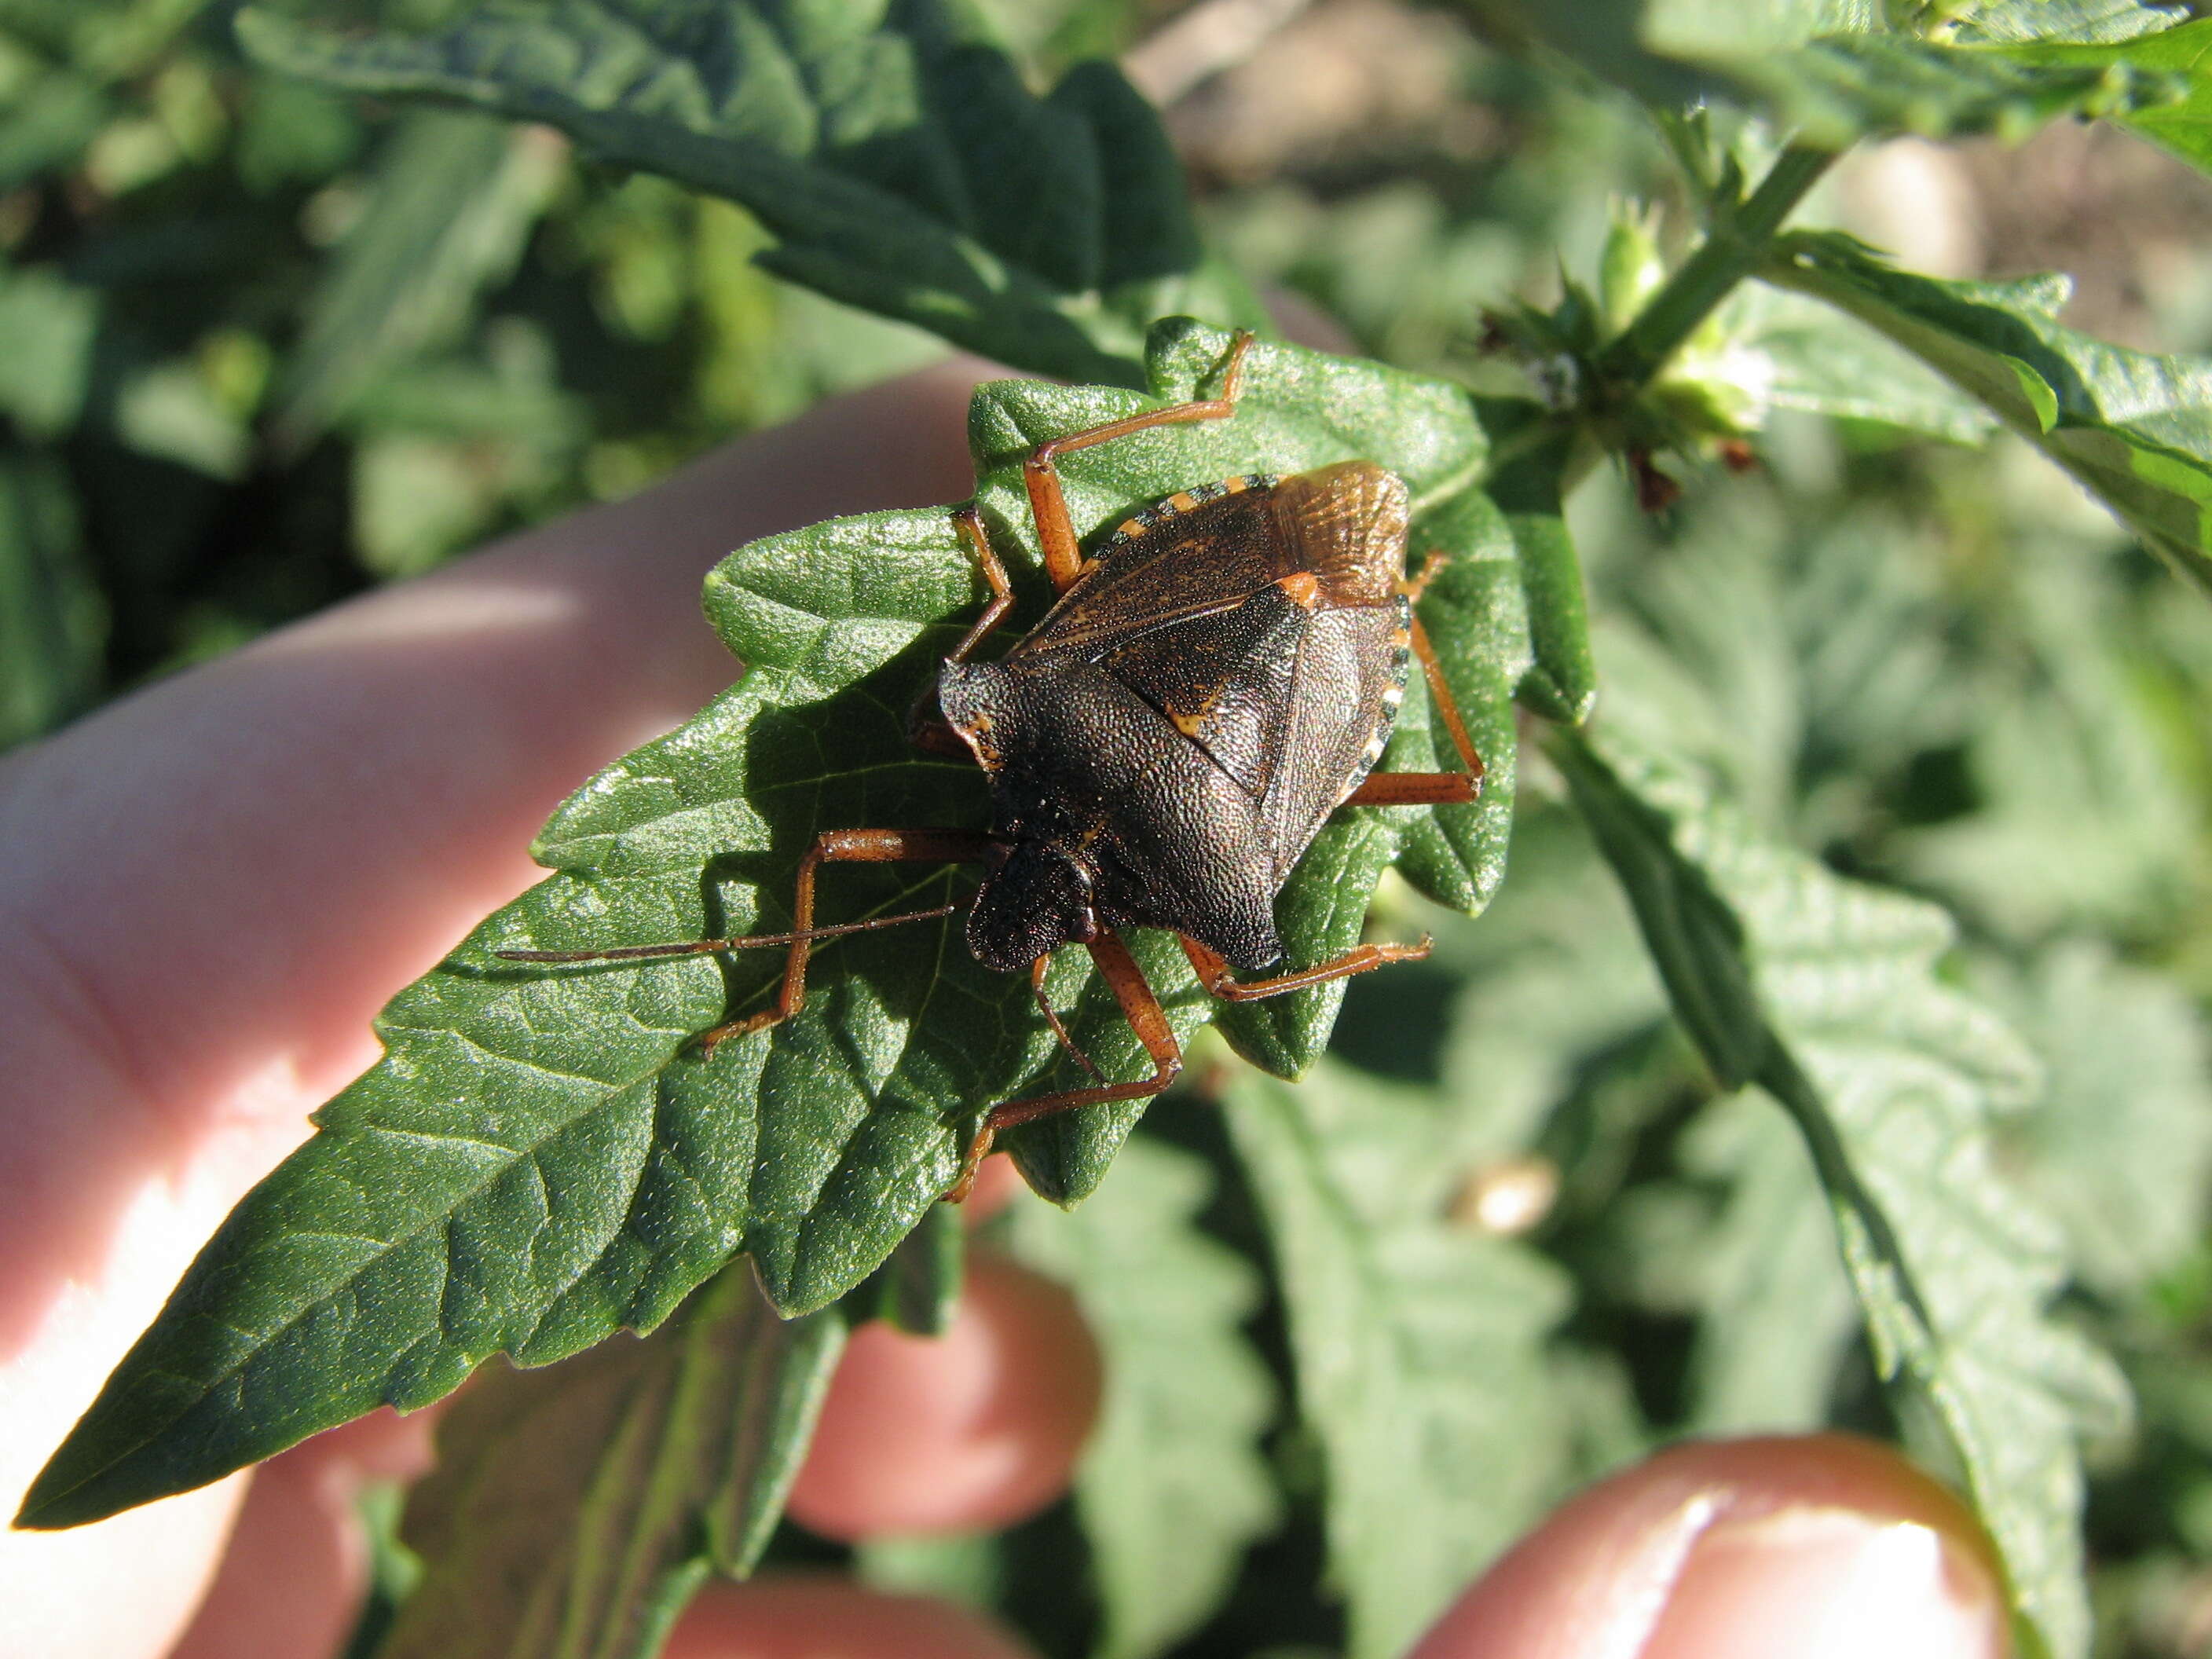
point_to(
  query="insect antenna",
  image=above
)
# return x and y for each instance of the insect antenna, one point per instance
(699, 947)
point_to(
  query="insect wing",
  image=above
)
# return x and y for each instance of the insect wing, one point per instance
(1346, 526)
(1199, 553)
(1224, 681)
(1343, 702)
(1234, 658)
(1293, 690)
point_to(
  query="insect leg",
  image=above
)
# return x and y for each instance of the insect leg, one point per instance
(844, 846)
(1415, 789)
(1048, 507)
(1146, 1018)
(1216, 975)
(1427, 788)
(1417, 584)
(924, 728)
(1051, 1017)
(994, 577)
(1447, 706)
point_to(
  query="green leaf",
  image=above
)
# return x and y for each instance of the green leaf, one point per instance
(47, 330)
(2184, 125)
(2080, 808)
(918, 1289)
(1774, 1309)
(2135, 428)
(1832, 72)
(1810, 357)
(47, 127)
(1560, 681)
(1551, 979)
(1821, 991)
(541, 1159)
(1172, 1487)
(1419, 1349)
(893, 150)
(573, 1510)
(2118, 1149)
(453, 199)
(544, 1156)
(1839, 88)
(291, 131)
(54, 624)
(2086, 20)
(170, 410)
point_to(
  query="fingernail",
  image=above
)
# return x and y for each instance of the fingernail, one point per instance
(1828, 1583)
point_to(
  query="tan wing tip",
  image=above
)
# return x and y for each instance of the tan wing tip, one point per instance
(1346, 524)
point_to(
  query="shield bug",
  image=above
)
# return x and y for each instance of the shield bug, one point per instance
(1218, 675)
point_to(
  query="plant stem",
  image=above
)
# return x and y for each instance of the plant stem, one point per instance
(1731, 251)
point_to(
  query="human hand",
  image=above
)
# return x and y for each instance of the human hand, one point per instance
(1815, 1546)
(210, 888)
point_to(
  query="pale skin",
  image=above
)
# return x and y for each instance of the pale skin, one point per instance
(212, 885)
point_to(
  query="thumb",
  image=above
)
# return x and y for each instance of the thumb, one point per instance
(1822, 1547)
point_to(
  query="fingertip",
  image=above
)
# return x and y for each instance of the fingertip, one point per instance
(824, 1617)
(998, 1183)
(1820, 1547)
(384, 1445)
(978, 1428)
(291, 1578)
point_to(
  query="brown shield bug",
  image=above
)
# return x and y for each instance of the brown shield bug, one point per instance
(1219, 675)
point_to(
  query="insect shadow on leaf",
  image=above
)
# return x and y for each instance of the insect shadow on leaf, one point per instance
(1216, 678)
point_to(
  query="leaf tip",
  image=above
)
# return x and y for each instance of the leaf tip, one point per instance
(63, 1497)
(1569, 706)
(268, 39)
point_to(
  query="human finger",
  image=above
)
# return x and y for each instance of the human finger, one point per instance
(824, 1617)
(296, 1565)
(978, 1428)
(998, 1183)
(213, 886)
(1819, 1546)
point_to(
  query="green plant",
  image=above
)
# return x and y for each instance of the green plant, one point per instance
(896, 160)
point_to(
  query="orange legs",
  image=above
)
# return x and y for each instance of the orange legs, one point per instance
(840, 846)
(1063, 559)
(1446, 705)
(1415, 789)
(1140, 1006)
(1146, 1018)
(1217, 977)
(924, 728)
(1427, 788)
(994, 577)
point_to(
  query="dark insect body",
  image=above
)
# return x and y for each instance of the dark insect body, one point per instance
(1220, 675)
(1165, 746)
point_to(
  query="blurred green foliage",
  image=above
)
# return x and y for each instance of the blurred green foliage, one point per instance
(260, 348)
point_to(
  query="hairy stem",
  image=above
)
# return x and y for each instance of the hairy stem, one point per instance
(1732, 249)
